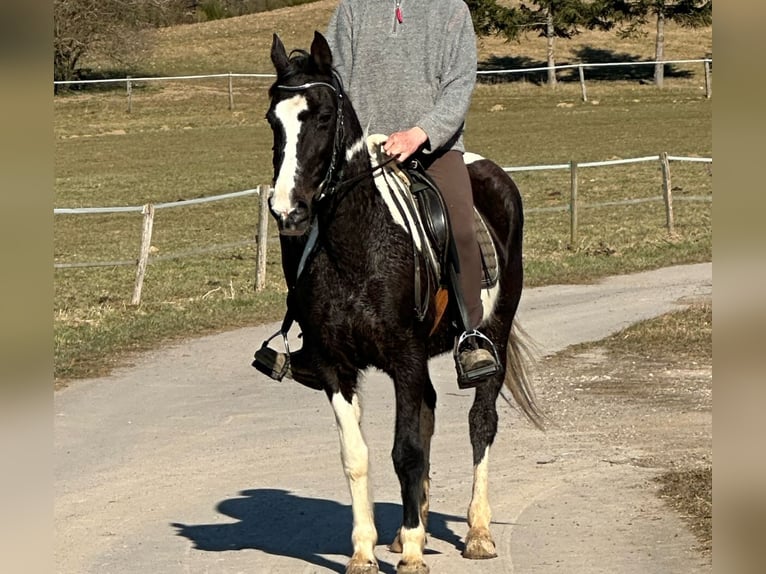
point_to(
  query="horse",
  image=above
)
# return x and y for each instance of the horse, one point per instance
(348, 264)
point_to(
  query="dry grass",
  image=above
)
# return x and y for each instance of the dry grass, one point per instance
(690, 492)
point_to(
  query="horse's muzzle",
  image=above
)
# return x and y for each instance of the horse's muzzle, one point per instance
(296, 222)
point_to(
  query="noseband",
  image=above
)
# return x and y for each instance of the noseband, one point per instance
(331, 179)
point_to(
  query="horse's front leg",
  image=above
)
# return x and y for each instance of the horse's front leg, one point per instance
(355, 459)
(410, 464)
(426, 434)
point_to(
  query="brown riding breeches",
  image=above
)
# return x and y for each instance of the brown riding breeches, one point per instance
(450, 173)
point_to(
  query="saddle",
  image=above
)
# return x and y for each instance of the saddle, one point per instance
(433, 212)
(421, 209)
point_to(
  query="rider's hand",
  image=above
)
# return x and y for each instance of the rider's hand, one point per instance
(403, 144)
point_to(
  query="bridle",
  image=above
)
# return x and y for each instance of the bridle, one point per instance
(332, 182)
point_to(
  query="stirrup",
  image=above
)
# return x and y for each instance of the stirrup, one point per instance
(271, 363)
(467, 379)
(278, 366)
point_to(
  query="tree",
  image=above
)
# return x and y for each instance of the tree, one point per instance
(112, 28)
(553, 19)
(490, 18)
(633, 15)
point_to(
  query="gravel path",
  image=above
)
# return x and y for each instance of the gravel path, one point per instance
(192, 461)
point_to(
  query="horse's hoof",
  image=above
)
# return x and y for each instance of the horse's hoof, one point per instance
(362, 567)
(412, 568)
(479, 545)
(396, 545)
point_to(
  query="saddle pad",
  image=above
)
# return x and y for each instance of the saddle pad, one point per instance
(488, 254)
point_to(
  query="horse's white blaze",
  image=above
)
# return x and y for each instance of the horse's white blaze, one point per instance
(355, 459)
(287, 112)
(479, 513)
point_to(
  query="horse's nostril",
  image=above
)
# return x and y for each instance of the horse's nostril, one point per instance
(298, 217)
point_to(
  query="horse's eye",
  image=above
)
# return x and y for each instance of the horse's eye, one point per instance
(324, 118)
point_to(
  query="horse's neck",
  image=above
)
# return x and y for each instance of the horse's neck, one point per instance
(351, 219)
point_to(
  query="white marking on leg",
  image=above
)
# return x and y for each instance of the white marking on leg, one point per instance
(479, 513)
(413, 543)
(287, 112)
(354, 455)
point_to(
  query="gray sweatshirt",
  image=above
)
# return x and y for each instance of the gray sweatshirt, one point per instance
(417, 72)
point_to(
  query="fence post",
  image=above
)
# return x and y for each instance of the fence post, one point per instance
(130, 94)
(573, 206)
(708, 86)
(231, 94)
(263, 234)
(143, 258)
(667, 192)
(582, 83)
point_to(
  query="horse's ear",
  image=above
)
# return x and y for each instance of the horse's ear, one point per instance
(279, 55)
(321, 53)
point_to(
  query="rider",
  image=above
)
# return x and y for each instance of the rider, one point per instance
(409, 67)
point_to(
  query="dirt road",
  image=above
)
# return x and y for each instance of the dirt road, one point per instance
(191, 461)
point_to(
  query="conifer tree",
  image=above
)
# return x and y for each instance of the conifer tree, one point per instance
(633, 15)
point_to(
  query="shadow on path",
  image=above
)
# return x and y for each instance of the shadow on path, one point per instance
(282, 523)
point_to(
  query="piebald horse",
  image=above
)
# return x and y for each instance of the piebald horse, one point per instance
(347, 257)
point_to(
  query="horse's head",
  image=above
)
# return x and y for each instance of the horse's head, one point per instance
(306, 117)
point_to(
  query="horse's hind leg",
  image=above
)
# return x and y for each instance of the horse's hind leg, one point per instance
(354, 455)
(483, 428)
(426, 433)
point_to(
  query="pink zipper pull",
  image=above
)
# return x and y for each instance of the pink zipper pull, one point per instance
(398, 14)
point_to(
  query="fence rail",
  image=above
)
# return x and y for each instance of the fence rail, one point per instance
(130, 81)
(270, 75)
(183, 202)
(148, 211)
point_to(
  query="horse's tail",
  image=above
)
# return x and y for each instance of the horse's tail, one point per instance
(517, 379)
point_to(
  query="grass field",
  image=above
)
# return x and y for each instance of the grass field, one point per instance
(180, 141)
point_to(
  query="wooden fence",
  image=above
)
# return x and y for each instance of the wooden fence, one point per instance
(263, 192)
(581, 67)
